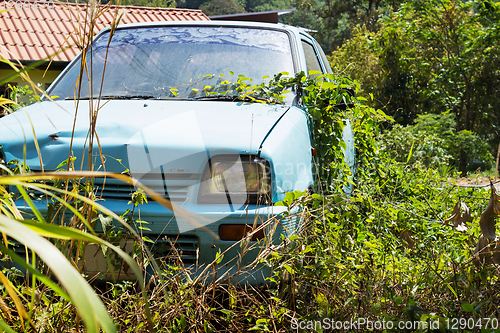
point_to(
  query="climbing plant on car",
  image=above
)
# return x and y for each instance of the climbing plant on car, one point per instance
(330, 100)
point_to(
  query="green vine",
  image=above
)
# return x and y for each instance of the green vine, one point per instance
(331, 101)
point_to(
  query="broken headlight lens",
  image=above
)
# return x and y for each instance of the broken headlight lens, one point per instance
(236, 180)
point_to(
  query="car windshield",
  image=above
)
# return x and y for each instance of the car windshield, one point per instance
(165, 62)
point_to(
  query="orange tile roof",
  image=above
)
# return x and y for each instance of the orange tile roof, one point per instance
(37, 29)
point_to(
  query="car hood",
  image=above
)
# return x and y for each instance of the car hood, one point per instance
(139, 134)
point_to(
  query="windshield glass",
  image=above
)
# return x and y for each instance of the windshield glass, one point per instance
(156, 62)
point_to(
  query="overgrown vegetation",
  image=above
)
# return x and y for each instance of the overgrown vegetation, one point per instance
(384, 252)
(387, 251)
(434, 142)
(433, 57)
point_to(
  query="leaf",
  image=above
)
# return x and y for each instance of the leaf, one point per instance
(410, 153)
(218, 257)
(487, 221)
(461, 213)
(65, 162)
(147, 239)
(467, 307)
(289, 269)
(314, 72)
(481, 252)
(297, 194)
(406, 236)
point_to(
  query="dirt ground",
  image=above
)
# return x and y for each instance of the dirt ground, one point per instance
(476, 182)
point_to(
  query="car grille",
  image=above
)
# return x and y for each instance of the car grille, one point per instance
(124, 192)
(175, 247)
(174, 187)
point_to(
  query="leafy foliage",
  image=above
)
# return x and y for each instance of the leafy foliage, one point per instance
(334, 19)
(221, 7)
(330, 101)
(19, 96)
(432, 57)
(433, 142)
(383, 252)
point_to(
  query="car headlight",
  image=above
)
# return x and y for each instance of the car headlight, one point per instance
(236, 180)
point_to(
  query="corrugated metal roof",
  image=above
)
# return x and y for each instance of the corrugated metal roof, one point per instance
(34, 30)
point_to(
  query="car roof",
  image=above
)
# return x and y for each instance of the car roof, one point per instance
(239, 24)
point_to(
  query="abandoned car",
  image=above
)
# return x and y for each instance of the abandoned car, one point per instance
(227, 160)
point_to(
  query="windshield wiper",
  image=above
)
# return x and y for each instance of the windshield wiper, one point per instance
(230, 98)
(118, 97)
(128, 97)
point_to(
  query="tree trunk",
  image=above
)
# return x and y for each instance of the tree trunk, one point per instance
(463, 163)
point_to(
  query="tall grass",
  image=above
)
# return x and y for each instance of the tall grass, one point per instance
(60, 261)
(53, 253)
(384, 252)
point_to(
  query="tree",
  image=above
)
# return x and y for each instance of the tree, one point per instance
(449, 45)
(433, 57)
(191, 4)
(334, 19)
(358, 59)
(263, 6)
(221, 7)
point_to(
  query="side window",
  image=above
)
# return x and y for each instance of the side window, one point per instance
(312, 58)
(325, 60)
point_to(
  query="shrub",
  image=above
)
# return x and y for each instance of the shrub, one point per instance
(432, 141)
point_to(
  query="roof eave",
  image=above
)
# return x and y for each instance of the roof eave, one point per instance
(265, 17)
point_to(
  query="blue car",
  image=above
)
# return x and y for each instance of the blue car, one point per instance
(149, 90)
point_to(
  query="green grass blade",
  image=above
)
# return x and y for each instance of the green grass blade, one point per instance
(5, 327)
(35, 272)
(60, 232)
(89, 305)
(410, 153)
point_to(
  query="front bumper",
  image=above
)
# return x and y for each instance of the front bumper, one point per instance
(193, 249)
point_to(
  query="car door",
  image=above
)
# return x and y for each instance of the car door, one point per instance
(316, 61)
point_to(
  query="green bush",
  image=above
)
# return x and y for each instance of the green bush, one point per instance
(433, 142)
